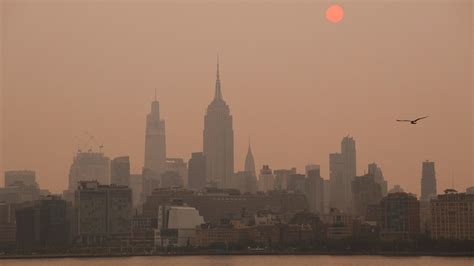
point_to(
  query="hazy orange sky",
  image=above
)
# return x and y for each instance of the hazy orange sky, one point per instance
(295, 83)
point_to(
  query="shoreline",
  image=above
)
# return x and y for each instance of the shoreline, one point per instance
(240, 253)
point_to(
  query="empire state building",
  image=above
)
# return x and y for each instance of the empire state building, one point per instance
(218, 139)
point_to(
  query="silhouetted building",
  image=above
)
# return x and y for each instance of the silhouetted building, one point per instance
(326, 195)
(342, 170)
(400, 216)
(428, 181)
(365, 191)
(89, 166)
(470, 190)
(396, 189)
(452, 216)
(197, 171)
(143, 230)
(155, 140)
(314, 190)
(339, 224)
(281, 178)
(44, 223)
(7, 225)
(245, 182)
(250, 163)
(179, 166)
(136, 185)
(218, 139)
(377, 173)
(216, 204)
(26, 177)
(171, 179)
(297, 183)
(120, 171)
(150, 181)
(19, 192)
(266, 179)
(103, 212)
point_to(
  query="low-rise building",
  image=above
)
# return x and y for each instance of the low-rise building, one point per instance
(452, 216)
(43, 223)
(339, 225)
(177, 226)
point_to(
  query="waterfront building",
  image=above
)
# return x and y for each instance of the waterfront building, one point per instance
(452, 216)
(103, 212)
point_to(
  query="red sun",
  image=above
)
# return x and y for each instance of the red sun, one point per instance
(334, 13)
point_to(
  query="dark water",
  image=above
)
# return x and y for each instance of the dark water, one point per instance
(247, 260)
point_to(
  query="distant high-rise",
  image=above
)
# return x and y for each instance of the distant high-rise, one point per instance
(377, 173)
(281, 178)
(428, 181)
(155, 141)
(197, 171)
(249, 162)
(88, 166)
(120, 171)
(244, 181)
(218, 139)
(266, 179)
(178, 165)
(314, 188)
(26, 177)
(342, 170)
(365, 192)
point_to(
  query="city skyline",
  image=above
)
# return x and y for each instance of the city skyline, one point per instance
(294, 119)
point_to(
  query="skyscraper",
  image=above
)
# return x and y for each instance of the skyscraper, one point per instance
(197, 171)
(249, 162)
(342, 170)
(314, 188)
(428, 181)
(178, 165)
(365, 192)
(88, 166)
(218, 139)
(120, 171)
(266, 179)
(155, 141)
(377, 173)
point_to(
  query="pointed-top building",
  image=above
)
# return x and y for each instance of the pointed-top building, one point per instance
(249, 162)
(155, 142)
(218, 139)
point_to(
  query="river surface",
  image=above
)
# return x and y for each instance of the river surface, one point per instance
(299, 260)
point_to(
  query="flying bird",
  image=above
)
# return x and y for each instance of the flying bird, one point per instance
(412, 121)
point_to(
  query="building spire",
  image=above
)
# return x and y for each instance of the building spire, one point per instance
(155, 95)
(217, 66)
(218, 93)
(249, 161)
